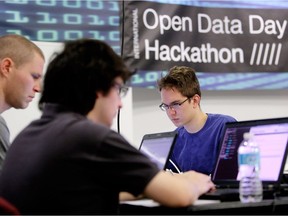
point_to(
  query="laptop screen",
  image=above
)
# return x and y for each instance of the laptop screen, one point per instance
(272, 138)
(158, 147)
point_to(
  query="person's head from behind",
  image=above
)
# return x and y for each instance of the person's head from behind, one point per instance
(21, 70)
(87, 77)
(180, 93)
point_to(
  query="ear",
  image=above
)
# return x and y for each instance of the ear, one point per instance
(196, 98)
(99, 94)
(5, 66)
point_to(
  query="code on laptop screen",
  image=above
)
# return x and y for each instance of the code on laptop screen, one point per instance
(272, 140)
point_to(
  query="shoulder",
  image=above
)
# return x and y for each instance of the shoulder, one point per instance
(4, 133)
(90, 131)
(3, 124)
(2, 120)
(220, 118)
(86, 129)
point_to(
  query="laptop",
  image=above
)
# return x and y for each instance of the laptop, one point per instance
(272, 138)
(158, 147)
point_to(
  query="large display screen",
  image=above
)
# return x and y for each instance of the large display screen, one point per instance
(57, 21)
(60, 20)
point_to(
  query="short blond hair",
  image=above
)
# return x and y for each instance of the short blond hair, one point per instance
(18, 48)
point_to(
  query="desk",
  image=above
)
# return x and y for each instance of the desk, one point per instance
(265, 207)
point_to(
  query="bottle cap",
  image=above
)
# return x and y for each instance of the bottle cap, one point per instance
(247, 135)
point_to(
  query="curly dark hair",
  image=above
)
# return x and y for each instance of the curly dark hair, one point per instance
(84, 67)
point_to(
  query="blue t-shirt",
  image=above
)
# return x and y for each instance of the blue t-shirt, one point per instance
(198, 151)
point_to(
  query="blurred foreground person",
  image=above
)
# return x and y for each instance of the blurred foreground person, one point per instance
(69, 161)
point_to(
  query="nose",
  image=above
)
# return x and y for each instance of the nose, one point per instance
(171, 111)
(170, 108)
(37, 86)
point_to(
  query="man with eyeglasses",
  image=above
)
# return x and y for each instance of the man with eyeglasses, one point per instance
(199, 133)
(69, 161)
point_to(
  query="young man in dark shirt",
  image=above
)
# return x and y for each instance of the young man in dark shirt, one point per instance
(69, 161)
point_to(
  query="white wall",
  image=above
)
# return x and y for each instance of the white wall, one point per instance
(243, 105)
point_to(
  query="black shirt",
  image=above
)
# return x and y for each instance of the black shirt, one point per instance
(64, 163)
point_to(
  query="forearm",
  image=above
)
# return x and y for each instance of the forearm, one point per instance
(178, 190)
(125, 196)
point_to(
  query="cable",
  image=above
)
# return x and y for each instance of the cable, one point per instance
(274, 202)
(118, 121)
(178, 170)
(122, 27)
(121, 52)
(122, 8)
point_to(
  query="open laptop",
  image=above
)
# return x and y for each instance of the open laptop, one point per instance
(158, 146)
(272, 138)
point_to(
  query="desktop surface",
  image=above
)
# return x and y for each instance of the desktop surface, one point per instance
(278, 206)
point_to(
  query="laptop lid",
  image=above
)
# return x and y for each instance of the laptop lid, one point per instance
(158, 147)
(272, 138)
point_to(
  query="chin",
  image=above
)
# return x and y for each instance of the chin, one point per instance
(21, 106)
(177, 124)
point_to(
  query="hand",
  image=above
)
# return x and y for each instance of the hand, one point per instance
(203, 182)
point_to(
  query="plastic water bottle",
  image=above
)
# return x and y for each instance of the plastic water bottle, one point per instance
(250, 187)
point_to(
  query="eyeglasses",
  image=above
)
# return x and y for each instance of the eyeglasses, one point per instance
(122, 89)
(173, 106)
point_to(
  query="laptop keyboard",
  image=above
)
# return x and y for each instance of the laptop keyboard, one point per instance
(223, 194)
